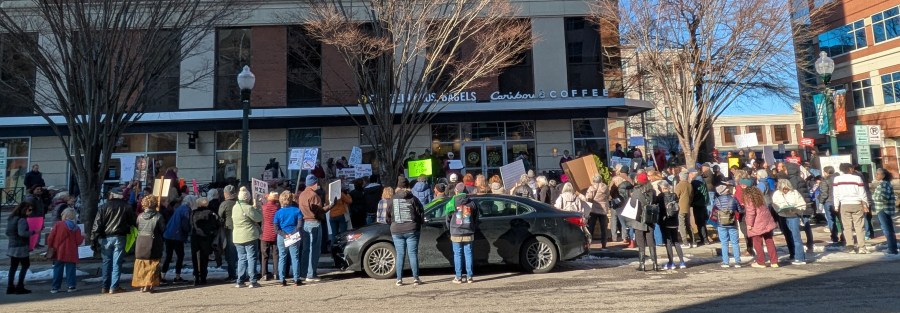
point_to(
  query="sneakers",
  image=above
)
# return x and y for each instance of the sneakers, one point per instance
(798, 262)
(54, 291)
(255, 285)
(863, 250)
(686, 246)
(399, 283)
(298, 283)
(104, 290)
(682, 265)
(774, 265)
(417, 282)
(71, 289)
(756, 265)
(457, 280)
(669, 266)
(724, 265)
(469, 280)
(313, 279)
(284, 283)
(850, 250)
(117, 290)
(737, 265)
(240, 285)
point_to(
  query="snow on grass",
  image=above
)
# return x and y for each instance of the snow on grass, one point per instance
(38, 276)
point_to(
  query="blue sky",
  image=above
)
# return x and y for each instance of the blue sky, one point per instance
(768, 105)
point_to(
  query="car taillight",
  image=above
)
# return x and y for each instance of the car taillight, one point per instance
(577, 221)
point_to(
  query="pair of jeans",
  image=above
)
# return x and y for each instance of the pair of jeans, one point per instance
(312, 237)
(807, 228)
(887, 228)
(58, 268)
(728, 235)
(338, 226)
(246, 265)
(592, 222)
(407, 244)
(230, 254)
(112, 248)
(870, 231)
(616, 225)
(176, 247)
(201, 247)
(657, 235)
(833, 220)
(291, 253)
(758, 242)
(793, 224)
(460, 250)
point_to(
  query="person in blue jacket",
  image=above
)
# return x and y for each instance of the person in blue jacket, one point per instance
(422, 191)
(177, 231)
(286, 224)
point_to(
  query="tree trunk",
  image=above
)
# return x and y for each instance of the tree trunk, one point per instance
(90, 197)
(690, 153)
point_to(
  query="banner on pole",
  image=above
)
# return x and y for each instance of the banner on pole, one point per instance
(821, 113)
(840, 111)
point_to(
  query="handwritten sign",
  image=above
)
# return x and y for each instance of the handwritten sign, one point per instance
(260, 190)
(420, 167)
(310, 156)
(363, 170)
(294, 159)
(161, 187)
(355, 156)
(511, 172)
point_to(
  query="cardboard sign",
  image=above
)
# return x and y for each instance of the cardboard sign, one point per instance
(294, 159)
(355, 156)
(161, 187)
(334, 191)
(835, 161)
(511, 173)
(580, 171)
(260, 190)
(420, 167)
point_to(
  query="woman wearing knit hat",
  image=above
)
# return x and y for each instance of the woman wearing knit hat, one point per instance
(726, 209)
(642, 196)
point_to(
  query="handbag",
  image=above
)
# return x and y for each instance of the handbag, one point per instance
(650, 214)
(631, 210)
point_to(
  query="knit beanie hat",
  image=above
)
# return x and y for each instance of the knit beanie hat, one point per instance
(311, 180)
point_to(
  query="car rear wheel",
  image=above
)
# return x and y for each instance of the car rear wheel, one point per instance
(538, 255)
(380, 261)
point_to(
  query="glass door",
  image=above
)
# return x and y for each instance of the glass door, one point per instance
(483, 158)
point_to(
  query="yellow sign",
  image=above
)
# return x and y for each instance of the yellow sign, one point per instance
(734, 162)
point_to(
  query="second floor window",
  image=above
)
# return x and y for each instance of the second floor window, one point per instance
(304, 84)
(728, 133)
(862, 93)
(232, 53)
(890, 86)
(780, 134)
(17, 79)
(886, 24)
(583, 54)
(843, 39)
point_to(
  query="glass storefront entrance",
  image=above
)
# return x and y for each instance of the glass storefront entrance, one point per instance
(483, 157)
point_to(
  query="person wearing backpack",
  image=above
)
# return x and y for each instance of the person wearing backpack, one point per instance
(598, 195)
(642, 197)
(726, 210)
(64, 240)
(668, 223)
(148, 247)
(789, 204)
(406, 219)
(462, 220)
(759, 226)
(571, 201)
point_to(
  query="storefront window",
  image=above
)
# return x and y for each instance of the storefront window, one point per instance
(160, 150)
(590, 137)
(17, 158)
(228, 155)
(445, 139)
(483, 131)
(617, 133)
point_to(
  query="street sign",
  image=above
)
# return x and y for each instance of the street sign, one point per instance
(875, 135)
(861, 133)
(2, 167)
(863, 155)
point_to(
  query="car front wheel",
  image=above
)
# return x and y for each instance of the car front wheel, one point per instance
(538, 255)
(380, 261)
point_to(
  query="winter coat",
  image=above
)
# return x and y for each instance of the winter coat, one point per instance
(463, 218)
(800, 185)
(664, 200)
(825, 190)
(204, 223)
(543, 194)
(246, 218)
(759, 220)
(268, 213)
(598, 195)
(423, 192)
(523, 191)
(406, 213)
(790, 204)
(571, 202)
(149, 243)
(115, 218)
(179, 226)
(685, 194)
(497, 189)
(225, 212)
(554, 193)
(373, 196)
(645, 196)
(65, 237)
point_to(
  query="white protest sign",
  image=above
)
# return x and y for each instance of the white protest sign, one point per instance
(723, 168)
(346, 173)
(455, 164)
(355, 156)
(363, 170)
(334, 192)
(746, 140)
(310, 156)
(127, 172)
(260, 190)
(294, 160)
(835, 161)
(511, 173)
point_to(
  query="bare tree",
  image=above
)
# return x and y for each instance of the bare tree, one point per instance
(703, 56)
(407, 60)
(101, 63)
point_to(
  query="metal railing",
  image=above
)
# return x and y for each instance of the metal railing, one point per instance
(11, 196)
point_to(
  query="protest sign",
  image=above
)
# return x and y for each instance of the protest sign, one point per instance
(835, 161)
(420, 167)
(511, 172)
(294, 160)
(260, 190)
(733, 161)
(455, 164)
(580, 172)
(363, 170)
(723, 168)
(310, 157)
(161, 187)
(746, 140)
(769, 155)
(355, 156)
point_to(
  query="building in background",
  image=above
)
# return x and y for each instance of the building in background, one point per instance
(569, 71)
(770, 129)
(862, 38)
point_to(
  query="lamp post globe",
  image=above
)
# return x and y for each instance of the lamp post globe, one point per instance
(246, 80)
(824, 66)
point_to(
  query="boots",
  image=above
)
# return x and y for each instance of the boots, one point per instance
(641, 261)
(653, 256)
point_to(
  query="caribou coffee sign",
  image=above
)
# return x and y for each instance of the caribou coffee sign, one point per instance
(552, 94)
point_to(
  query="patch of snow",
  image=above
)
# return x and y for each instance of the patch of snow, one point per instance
(38, 276)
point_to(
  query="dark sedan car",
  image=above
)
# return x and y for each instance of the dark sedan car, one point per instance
(513, 230)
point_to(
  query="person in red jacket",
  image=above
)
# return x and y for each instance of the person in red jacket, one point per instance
(64, 239)
(269, 249)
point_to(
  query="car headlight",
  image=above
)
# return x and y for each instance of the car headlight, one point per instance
(353, 237)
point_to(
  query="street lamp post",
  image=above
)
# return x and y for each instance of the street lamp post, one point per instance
(245, 81)
(825, 67)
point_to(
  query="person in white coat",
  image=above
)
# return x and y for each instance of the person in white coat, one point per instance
(788, 203)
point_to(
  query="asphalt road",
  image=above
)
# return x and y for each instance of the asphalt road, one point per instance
(836, 282)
